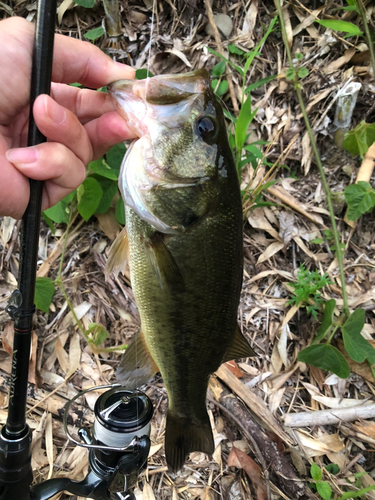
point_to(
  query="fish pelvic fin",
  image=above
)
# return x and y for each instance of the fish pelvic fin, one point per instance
(238, 348)
(118, 257)
(137, 365)
(163, 264)
(184, 435)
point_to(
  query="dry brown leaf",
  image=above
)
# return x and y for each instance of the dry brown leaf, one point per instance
(292, 202)
(366, 427)
(108, 224)
(271, 250)
(338, 63)
(250, 19)
(258, 220)
(49, 444)
(74, 354)
(7, 227)
(65, 5)
(287, 24)
(286, 221)
(307, 22)
(332, 402)
(239, 459)
(7, 338)
(272, 272)
(316, 448)
(32, 362)
(62, 356)
(148, 493)
(233, 367)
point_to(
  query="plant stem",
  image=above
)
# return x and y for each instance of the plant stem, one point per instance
(332, 334)
(58, 280)
(327, 191)
(362, 13)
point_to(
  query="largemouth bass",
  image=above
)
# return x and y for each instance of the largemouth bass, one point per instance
(184, 233)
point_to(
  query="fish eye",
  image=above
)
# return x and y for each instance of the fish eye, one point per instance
(205, 128)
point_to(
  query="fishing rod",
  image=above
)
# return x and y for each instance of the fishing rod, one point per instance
(118, 441)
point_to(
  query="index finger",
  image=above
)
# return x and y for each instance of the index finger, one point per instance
(83, 62)
(73, 60)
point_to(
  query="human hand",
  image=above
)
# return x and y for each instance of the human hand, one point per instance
(80, 124)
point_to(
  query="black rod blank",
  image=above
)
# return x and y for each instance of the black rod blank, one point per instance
(23, 299)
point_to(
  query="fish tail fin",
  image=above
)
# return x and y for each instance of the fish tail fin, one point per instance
(184, 435)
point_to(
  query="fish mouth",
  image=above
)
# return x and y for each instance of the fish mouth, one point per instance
(138, 100)
(164, 89)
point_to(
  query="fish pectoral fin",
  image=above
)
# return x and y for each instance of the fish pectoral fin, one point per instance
(118, 256)
(137, 365)
(184, 435)
(238, 348)
(163, 264)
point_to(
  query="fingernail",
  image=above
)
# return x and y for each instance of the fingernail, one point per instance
(22, 155)
(55, 112)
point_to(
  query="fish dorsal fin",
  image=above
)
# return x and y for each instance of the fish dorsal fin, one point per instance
(238, 348)
(118, 257)
(137, 365)
(163, 264)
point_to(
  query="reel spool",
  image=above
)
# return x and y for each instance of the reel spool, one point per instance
(119, 438)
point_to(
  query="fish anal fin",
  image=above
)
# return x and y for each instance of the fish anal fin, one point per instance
(137, 365)
(118, 256)
(184, 435)
(163, 264)
(238, 348)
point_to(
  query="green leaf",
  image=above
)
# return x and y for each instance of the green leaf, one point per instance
(252, 54)
(233, 49)
(358, 140)
(101, 167)
(298, 56)
(337, 25)
(290, 73)
(356, 494)
(222, 88)
(324, 490)
(44, 290)
(259, 83)
(315, 472)
(327, 320)
(357, 347)
(332, 468)
(115, 156)
(89, 195)
(143, 73)
(109, 189)
(98, 334)
(60, 212)
(49, 222)
(94, 34)
(302, 72)
(240, 70)
(243, 121)
(120, 211)
(360, 198)
(317, 241)
(326, 357)
(218, 69)
(88, 4)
